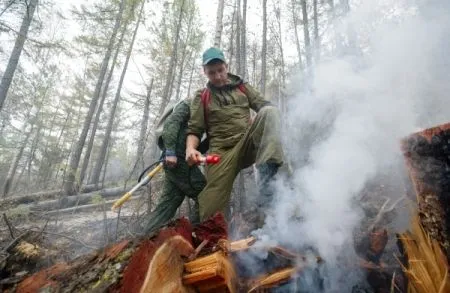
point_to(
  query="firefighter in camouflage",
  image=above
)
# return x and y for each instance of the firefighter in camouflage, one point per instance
(180, 180)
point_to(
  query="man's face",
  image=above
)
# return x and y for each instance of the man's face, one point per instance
(217, 73)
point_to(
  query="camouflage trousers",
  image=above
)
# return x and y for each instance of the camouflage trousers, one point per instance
(179, 182)
(260, 144)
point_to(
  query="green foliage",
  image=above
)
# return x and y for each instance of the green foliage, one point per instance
(97, 199)
(21, 212)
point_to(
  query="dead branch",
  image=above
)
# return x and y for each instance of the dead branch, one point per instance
(42, 230)
(384, 210)
(8, 224)
(105, 222)
(68, 237)
(198, 249)
(43, 45)
(16, 240)
(117, 223)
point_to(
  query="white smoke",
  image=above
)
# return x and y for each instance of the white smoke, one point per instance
(359, 106)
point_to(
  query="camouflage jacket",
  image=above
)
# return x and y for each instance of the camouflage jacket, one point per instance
(229, 113)
(174, 131)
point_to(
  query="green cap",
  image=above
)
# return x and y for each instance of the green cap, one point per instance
(211, 54)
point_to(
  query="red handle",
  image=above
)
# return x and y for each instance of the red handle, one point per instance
(211, 159)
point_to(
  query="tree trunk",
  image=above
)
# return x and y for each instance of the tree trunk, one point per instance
(316, 32)
(100, 106)
(180, 74)
(13, 167)
(238, 38)
(345, 6)
(244, 40)
(231, 53)
(143, 131)
(297, 39)
(17, 51)
(173, 60)
(255, 49)
(101, 158)
(264, 49)
(31, 157)
(282, 102)
(108, 153)
(306, 34)
(219, 24)
(283, 71)
(69, 183)
(190, 77)
(183, 58)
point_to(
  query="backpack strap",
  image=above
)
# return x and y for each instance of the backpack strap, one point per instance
(241, 87)
(206, 99)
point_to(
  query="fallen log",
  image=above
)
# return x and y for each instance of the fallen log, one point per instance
(14, 200)
(89, 207)
(80, 199)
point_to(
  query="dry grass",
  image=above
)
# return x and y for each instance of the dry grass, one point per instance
(427, 268)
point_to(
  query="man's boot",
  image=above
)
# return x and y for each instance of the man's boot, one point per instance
(266, 173)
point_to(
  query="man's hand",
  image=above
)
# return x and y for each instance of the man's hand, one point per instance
(193, 156)
(171, 161)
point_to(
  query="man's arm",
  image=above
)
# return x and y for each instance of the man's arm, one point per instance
(196, 128)
(255, 99)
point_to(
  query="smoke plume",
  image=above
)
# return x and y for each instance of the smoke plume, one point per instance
(388, 77)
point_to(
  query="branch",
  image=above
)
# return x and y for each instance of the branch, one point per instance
(67, 237)
(7, 6)
(385, 210)
(45, 45)
(10, 228)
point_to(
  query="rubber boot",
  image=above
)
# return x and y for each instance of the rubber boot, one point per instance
(266, 173)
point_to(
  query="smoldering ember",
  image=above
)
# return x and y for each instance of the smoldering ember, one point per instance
(225, 146)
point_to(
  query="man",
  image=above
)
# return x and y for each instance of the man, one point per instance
(225, 120)
(180, 180)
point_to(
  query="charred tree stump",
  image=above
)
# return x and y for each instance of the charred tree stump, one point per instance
(427, 155)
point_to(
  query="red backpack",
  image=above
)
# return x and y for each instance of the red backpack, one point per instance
(206, 100)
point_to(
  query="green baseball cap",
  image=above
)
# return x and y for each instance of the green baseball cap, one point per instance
(211, 54)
